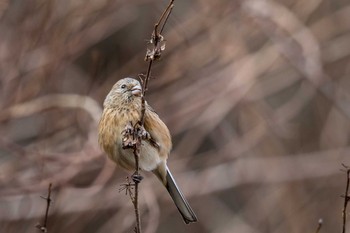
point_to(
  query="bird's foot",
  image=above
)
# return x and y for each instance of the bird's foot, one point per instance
(142, 132)
(145, 135)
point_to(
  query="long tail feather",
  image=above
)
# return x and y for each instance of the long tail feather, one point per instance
(179, 199)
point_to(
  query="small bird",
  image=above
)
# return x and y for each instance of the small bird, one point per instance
(122, 106)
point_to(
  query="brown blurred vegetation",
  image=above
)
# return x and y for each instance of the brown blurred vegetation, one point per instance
(255, 93)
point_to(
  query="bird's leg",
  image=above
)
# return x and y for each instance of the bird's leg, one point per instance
(145, 135)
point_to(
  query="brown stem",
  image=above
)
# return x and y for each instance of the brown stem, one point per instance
(144, 88)
(319, 226)
(43, 228)
(346, 197)
(48, 202)
(136, 194)
(156, 35)
(168, 10)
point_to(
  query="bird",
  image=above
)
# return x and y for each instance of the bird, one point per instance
(122, 106)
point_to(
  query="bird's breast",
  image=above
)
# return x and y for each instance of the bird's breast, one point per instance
(111, 126)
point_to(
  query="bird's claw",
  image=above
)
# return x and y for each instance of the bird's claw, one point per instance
(131, 133)
(142, 132)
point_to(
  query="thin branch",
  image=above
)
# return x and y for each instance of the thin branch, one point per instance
(136, 194)
(133, 134)
(43, 228)
(166, 14)
(157, 44)
(40, 104)
(128, 187)
(346, 196)
(155, 53)
(144, 88)
(319, 226)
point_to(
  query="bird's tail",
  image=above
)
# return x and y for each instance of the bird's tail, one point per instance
(179, 199)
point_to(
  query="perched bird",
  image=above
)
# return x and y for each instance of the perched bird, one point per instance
(122, 106)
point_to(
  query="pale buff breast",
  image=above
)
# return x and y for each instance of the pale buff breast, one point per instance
(110, 140)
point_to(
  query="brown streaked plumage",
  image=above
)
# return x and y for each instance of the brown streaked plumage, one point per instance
(123, 105)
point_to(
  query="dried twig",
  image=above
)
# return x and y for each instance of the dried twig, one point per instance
(128, 187)
(156, 42)
(134, 134)
(319, 226)
(346, 196)
(43, 228)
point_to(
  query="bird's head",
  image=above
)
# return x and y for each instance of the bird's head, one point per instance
(123, 91)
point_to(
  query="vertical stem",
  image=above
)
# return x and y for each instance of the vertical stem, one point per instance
(48, 199)
(145, 84)
(137, 146)
(43, 228)
(136, 196)
(346, 198)
(136, 207)
(320, 222)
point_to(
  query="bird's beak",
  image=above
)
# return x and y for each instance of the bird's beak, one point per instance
(136, 90)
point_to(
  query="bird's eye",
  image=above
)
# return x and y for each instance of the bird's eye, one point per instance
(123, 86)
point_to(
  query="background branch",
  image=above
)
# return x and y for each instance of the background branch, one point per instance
(319, 226)
(255, 95)
(43, 228)
(346, 197)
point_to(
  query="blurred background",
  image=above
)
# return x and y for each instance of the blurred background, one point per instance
(255, 93)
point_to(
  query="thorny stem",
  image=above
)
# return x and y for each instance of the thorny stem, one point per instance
(135, 200)
(156, 38)
(48, 200)
(43, 228)
(346, 196)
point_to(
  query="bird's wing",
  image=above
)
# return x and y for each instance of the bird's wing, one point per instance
(159, 132)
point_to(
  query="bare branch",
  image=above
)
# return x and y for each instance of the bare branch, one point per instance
(319, 226)
(346, 196)
(43, 228)
(134, 134)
